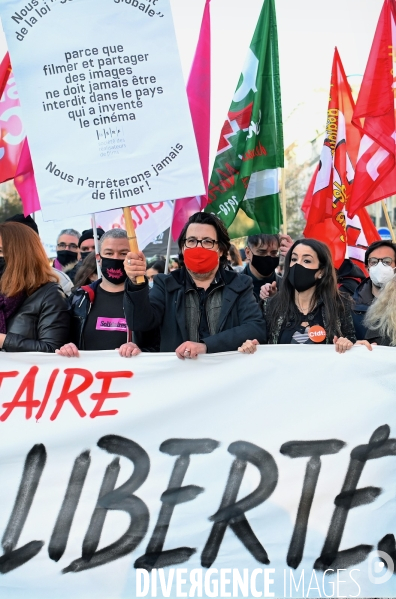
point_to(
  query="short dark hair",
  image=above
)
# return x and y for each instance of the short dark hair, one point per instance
(378, 244)
(158, 265)
(205, 218)
(255, 241)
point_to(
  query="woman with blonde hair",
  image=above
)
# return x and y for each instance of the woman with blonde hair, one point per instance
(34, 312)
(380, 318)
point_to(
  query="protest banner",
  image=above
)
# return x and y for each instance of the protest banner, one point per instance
(104, 104)
(228, 476)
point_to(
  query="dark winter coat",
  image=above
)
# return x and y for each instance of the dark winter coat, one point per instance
(362, 300)
(349, 277)
(258, 283)
(285, 329)
(41, 323)
(235, 314)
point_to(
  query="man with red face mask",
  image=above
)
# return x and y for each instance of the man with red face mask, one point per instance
(200, 308)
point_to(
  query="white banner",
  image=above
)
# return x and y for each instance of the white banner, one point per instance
(150, 220)
(104, 103)
(229, 476)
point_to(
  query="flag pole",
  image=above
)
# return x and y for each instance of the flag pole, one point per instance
(133, 244)
(283, 191)
(95, 232)
(168, 249)
(388, 221)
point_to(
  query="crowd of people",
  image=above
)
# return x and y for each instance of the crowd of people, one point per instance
(214, 299)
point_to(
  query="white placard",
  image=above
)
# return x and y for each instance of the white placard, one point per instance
(295, 435)
(104, 103)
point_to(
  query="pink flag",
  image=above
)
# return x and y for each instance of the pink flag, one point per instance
(198, 92)
(25, 183)
(12, 132)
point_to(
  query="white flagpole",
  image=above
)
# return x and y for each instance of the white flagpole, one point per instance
(168, 249)
(95, 231)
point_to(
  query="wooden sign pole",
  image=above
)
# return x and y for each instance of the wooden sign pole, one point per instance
(388, 221)
(133, 244)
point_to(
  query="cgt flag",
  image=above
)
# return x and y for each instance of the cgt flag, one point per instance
(326, 204)
(244, 183)
(374, 116)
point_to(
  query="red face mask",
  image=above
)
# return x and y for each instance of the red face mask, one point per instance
(200, 260)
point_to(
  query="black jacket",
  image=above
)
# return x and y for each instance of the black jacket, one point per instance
(42, 322)
(258, 283)
(349, 277)
(81, 302)
(282, 330)
(165, 307)
(362, 300)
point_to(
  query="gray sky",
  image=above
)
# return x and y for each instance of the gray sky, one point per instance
(308, 31)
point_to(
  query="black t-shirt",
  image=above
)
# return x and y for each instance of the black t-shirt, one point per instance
(106, 325)
(295, 332)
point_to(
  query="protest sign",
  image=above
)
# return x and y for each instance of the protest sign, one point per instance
(104, 103)
(228, 476)
(150, 220)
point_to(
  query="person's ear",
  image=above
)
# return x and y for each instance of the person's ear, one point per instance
(319, 274)
(248, 253)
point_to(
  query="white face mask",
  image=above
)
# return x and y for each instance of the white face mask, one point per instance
(380, 274)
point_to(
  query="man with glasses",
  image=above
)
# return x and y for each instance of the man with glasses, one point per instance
(67, 252)
(201, 307)
(380, 260)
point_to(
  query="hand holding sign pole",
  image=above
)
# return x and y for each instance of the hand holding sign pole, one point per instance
(133, 244)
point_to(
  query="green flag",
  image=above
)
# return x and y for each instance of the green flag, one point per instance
(244, 189)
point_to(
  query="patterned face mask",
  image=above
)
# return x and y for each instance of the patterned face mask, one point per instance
(113, 270)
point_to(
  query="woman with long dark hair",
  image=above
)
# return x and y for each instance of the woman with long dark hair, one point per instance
(308, 307)
(34, 313)
(87, 273)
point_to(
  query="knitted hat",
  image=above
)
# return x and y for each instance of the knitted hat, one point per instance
(89, 234)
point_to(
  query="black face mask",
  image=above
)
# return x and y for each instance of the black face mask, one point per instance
(302, 278)
(265, 265)
(113, 270)
(66, 257)
(84, 255)
(2, 265)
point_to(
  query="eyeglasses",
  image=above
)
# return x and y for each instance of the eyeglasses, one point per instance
(69, 246)
(207, 243)
(385, 261)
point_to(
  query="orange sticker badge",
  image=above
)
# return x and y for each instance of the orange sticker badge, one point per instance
(317, 334)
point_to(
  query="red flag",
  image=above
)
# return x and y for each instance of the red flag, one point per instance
(374, 116)
(326, 204)
(11, 128)
(198, 92)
